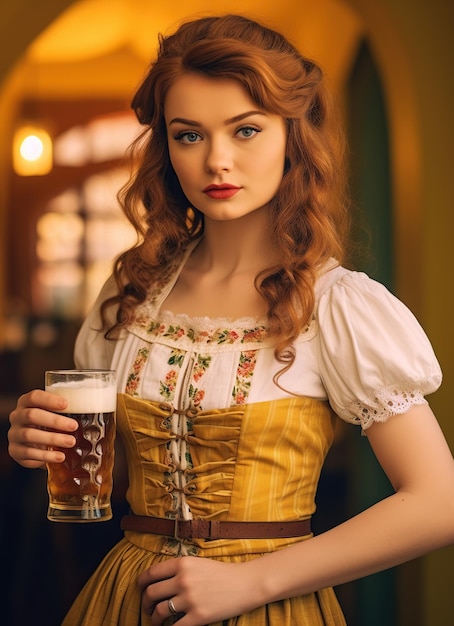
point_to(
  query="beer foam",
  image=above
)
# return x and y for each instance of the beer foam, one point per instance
(87, 396)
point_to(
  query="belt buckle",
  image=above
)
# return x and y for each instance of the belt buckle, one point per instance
(180, 527)
(175, 529)
(197, 529)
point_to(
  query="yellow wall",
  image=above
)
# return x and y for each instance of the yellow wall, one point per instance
(412, 42)
(426, 29)
(421, 96)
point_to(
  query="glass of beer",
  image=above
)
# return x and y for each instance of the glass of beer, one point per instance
(80, 488)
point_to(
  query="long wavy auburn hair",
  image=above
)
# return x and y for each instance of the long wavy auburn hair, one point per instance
(309, 214)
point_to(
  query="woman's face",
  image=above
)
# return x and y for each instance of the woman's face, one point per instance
(227, 153)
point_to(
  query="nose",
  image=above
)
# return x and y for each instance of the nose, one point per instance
(219, 156)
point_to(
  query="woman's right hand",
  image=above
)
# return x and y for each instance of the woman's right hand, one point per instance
(37, 429)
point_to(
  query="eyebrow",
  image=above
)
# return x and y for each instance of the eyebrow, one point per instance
(232, 120)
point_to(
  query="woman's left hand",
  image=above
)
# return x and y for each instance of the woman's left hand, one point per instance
(201, 591)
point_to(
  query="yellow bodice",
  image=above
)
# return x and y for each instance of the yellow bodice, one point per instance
(257, 462)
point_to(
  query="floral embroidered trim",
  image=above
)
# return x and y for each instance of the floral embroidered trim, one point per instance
(133, 380)
(216, 336)
(168, 385)
(196, 395)
(245, 371)
(163, 281)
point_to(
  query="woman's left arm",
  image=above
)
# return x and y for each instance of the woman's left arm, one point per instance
(416, 519)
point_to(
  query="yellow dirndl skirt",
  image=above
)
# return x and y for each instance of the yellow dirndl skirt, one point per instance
(257, 462)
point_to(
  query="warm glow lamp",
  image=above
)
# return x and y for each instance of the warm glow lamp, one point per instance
(32, 151)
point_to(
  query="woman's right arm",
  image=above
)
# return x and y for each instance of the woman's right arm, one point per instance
(37, 428)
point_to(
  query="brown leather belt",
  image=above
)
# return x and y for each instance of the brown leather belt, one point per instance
(213, 529)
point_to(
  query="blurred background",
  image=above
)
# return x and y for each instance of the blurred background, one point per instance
(68, 70)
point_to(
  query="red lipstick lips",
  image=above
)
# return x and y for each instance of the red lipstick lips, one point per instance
(221, 192)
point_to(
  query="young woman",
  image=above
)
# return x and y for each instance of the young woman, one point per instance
(238, 337)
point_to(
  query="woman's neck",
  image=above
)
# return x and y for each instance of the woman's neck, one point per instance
(218, 278)
(236, 246)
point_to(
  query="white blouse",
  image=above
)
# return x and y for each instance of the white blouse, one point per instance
(364, 352)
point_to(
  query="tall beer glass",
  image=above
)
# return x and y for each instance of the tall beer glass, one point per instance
(80, 488)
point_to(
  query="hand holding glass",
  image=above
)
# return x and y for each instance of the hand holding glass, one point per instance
(80, 488)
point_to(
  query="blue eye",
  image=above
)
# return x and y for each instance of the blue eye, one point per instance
(248, 131)
(188, 137)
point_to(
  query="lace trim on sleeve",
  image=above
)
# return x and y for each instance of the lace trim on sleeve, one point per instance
(387, 402)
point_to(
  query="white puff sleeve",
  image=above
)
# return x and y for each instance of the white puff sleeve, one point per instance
(92, 350)
(375, 359)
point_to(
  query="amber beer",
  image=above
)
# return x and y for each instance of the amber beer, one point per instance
(80, 488)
